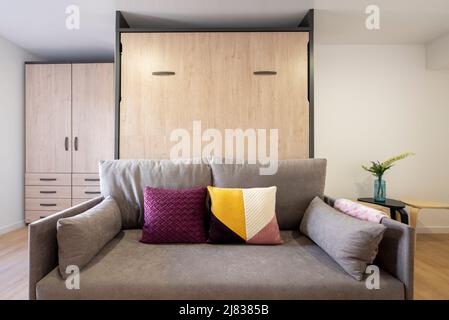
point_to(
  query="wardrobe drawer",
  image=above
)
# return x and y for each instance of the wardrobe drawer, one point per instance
(47, 204)
(85, 179)
(31, 216)
(47, 191)
(86, 192)
(48, 179)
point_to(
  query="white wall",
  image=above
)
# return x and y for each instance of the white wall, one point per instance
(12, 125)
(373, 102)
(437, 53)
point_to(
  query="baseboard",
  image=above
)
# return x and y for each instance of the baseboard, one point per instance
(12, 227)
(433, 229)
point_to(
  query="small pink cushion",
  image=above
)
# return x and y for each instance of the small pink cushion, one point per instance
(358, 210)
(174, 216)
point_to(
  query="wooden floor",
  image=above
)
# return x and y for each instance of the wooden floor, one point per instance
(14, 265)
(431, 266)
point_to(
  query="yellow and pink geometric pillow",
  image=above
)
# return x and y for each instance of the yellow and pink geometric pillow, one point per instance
(243, 216)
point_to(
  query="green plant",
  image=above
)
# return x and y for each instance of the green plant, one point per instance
(378, 168)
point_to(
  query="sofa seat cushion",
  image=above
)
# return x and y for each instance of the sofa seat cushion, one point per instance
(298, 269)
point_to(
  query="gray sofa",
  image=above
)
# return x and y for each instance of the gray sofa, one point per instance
(297, 269)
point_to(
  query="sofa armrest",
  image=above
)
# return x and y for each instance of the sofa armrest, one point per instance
(396, 251)
(43, 244)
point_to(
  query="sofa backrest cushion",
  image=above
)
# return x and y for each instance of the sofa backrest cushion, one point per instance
(297, 181)
(125, 181)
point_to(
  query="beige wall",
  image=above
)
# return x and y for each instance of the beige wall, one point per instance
(373, 102)
(11, 134)
(437, 53)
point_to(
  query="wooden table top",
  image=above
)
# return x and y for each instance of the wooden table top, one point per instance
(425, 204)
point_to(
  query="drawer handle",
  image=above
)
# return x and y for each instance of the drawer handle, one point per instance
(47, 192)
(265, 73)
(47, 179)
(163, 73)
(48, 204)
(91, 179)
(92, 192)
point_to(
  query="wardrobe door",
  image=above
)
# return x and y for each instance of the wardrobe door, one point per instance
(48, 118)
(279, 86)
(153, 103)
(208, 84)
(92, 115)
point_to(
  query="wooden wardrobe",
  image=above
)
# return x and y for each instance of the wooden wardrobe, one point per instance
(226, 80)
(69, 129)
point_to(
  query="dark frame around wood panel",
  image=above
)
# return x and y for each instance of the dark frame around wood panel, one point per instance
(308, 21)
(122, 26)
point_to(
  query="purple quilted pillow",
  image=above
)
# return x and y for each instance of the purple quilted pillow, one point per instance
(174, 216)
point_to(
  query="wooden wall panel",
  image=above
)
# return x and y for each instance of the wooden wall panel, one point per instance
(214, 83)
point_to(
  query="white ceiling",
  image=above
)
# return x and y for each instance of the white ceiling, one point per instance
(39, 26)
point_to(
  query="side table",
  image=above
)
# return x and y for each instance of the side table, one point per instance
(416, 205)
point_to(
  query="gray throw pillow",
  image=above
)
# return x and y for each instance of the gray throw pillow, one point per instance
(351, 242)
(82, 236)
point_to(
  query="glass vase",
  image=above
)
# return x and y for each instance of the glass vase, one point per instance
(380, 190)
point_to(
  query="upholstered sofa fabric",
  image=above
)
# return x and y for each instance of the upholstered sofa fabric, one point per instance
(351, 242)
(125, 181)
(43, 243)
(298, 269)
(81, 237)
(174, 215)
(128, 269)
(297, 182)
